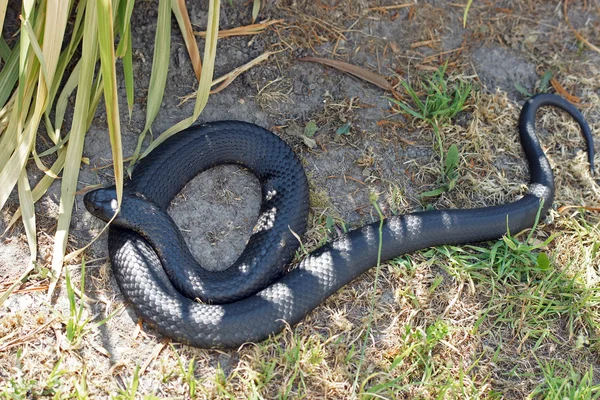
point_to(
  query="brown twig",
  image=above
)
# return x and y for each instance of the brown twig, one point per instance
(24, 339)
(392, 7)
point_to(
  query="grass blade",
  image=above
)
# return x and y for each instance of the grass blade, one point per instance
(255, 10)
(26, 204)
(578, 35)
(5, 51)
(210, 53)
(61, 105)
(160, 68)
(125, 51)
(183, 19)
(466, 13)
(12, 136)
(75, 148)
(9, 76)
(230, 76)
(24, 65)
(3, 4)
(124, 20)
(67, 55)
(16, 163)
(253, 29)
(94, 101)
(42, 186)
(54, 28)
(406, 108)
(128, 73)
(27, 72)
(40, 164)
(109, 76)
(57, 13)
(36, 49)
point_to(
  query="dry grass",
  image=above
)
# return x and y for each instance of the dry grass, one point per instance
(483, 321)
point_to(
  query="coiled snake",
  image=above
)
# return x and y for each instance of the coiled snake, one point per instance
(255, 297)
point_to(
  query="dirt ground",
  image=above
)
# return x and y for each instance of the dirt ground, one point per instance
(504, 51)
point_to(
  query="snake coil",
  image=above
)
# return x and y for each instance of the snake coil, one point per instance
(255, 297)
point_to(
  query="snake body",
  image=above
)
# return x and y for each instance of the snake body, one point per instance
(255, 298)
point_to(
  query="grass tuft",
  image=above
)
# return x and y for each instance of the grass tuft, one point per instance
(443, 100)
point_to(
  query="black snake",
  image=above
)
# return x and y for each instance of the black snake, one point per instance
(255, 297)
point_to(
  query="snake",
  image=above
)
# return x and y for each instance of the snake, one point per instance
(259, 294)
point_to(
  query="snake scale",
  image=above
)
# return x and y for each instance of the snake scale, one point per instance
(256, 296)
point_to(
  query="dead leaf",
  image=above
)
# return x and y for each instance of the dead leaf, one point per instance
(295, 130)
(359, 72)
(245, 30)
(185, 25)
(563, 92)
(309, 142)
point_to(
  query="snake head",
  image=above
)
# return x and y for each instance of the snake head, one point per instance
(102, 203)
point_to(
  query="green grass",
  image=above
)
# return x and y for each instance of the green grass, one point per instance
(76, 323)
(373, 293)
(444, 98)
(413, 363)
(450, 175)
(187, 374)
(561, 381)
(525, 293)
(130, 391)
(19, 387)
(81, 387)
